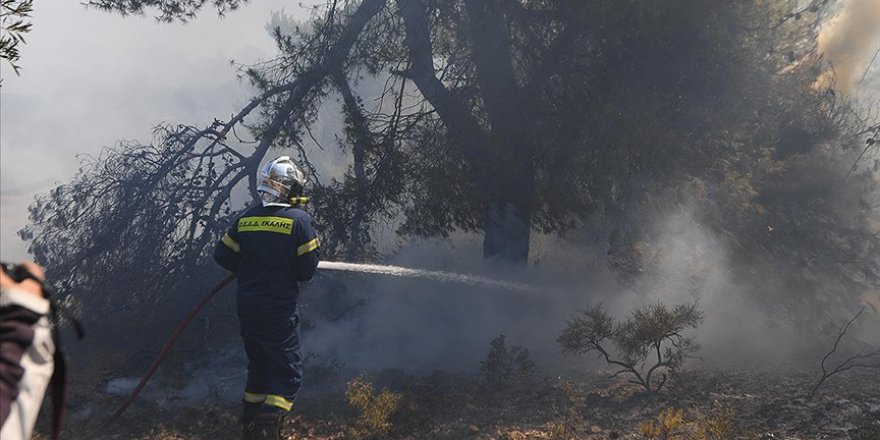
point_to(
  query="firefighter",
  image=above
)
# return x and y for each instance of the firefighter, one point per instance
(270, 248)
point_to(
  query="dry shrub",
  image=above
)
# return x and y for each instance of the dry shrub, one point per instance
(671, 424)
(716, 426)
(564, 424)
(374, 410)
(665, 426)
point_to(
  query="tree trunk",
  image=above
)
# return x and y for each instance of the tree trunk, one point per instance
(506, 234)
(507, 222)
(501, 159)
(359, 236)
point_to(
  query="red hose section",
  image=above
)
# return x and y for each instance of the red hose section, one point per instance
(162, 353)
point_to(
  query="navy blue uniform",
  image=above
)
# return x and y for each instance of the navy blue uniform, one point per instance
(270, 248)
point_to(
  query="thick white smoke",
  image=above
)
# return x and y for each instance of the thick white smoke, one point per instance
(423, 324)
(849, 42)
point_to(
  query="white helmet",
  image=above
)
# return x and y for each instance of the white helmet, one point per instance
(281, 181)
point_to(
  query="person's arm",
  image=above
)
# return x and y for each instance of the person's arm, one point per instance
(26, 353)
(227, 252)
(306, 250)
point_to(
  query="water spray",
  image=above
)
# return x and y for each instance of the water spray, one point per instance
(405, 272)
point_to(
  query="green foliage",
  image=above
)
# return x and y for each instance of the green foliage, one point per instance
(374, 410)
(586, 330)
(14, 23)
(650, 341)
(649, 327)
(166, 10)
(502, 365)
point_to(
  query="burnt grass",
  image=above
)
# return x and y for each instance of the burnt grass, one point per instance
(585, 405)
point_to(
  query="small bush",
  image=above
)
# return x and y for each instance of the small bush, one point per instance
(650, 343)
(563, 425)
(716, 426)
(374, 410)
(665, 427)
(671, 424)
(502, 364)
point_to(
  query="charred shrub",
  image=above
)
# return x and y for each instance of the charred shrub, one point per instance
(502, 365)
(649, 345)
(374, 409)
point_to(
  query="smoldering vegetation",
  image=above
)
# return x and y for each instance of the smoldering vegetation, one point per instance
(618, 153)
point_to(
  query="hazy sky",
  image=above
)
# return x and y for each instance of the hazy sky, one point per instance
(90, 79)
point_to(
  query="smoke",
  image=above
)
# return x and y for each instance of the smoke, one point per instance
(849, 42)
(421, 325)
(424, 324)
(449, 277)
(689, 263)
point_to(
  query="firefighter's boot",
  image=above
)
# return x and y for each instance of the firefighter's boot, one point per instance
(265, 426)
(247, 419)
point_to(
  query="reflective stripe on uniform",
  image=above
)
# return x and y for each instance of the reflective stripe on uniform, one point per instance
(280, 225)
(278, 401)
(307, 247)
(230, 243)
(254, 397)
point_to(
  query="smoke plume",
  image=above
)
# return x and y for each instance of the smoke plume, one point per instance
(849, 42)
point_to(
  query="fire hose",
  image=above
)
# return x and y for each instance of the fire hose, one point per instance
(163, 352)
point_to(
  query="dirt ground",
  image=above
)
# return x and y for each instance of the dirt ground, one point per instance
(764, 405)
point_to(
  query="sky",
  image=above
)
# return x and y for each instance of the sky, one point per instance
(90, 79)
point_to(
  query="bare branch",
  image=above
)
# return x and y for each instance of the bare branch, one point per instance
(854, 361)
